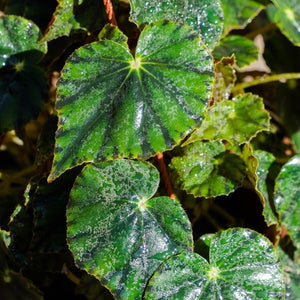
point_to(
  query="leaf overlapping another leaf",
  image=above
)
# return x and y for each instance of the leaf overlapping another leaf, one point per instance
(112, 104)
(117, 231)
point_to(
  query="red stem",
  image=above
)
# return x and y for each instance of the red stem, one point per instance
(110, 12)
(165, 176)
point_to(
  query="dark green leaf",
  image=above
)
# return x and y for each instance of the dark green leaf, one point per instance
(244, 50)
(23, 92)
(19, 36)
(236, 121)
(242, 265)
(286, 199)
(206, 169)
(205, 17)
(286, 14)
(120, 106)
(238, 13)
(117, 232)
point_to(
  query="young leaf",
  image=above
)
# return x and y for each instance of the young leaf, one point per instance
(87, 15)
(117, 232)
(111, 104)
(286, 14)
(19, 36)
(207, 170)
(205, 17)
(239, 13)
(286, 199)
(224, 79)
(236, 121)
(242, 265)
(244, 50)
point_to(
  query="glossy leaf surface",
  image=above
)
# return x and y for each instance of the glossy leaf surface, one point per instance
(206, 169)
(239, 13)
(236, 121)
(265, 160)
(87, 15)
(286, 14)
(19, 35)
(113, 105)
(117, 232)
(287, 199)
(242, 265)
(206, 16)
(23, 92)
(244, 50)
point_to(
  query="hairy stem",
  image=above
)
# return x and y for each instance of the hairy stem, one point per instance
(266, 79)
(110, 12)
(165, 175)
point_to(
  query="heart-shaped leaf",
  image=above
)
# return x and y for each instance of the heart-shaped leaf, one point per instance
(242, 265)
(286, 199)
(117, 232)
(244, 50)
(206, 16)
(236, 121)
(286, 14)
(19, 36)
(121, 106)
(239, 13)
(206, 169)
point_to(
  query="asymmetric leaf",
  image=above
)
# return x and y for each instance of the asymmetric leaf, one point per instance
(19, 35)
(244, 50)
(111, 104)
(239, 13)
(117, 232)
(205, 16)
(207, 170)
(242, 265)
(237, 120)
(287, 199)
(286, 14)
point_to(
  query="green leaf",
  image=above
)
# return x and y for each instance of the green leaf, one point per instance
(286, 199)
(239, 13)
(206, 169)
(87, 15)
(292, 276)
(202, 245)
(117, 232)
(205, 17)
(265, 160)
(120, 106)
(23, 92)
(224, 79)
(113, 33)
(19, 36)
(244, 50)
(286, 14)
(242, 265)
(237, 120)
